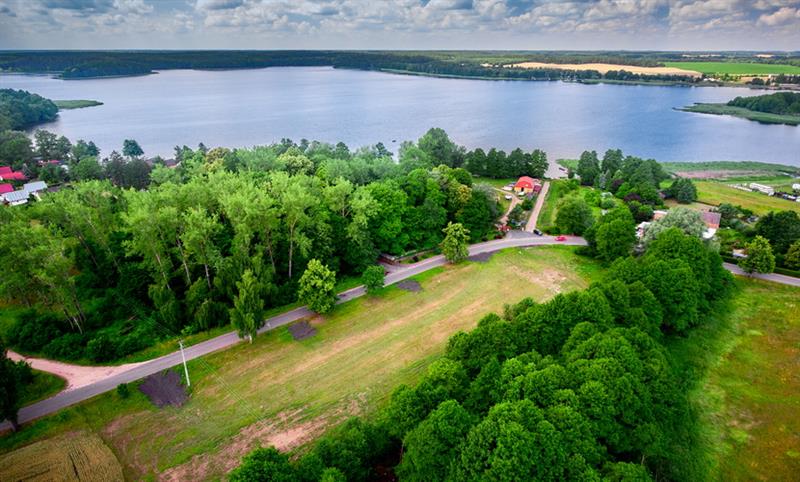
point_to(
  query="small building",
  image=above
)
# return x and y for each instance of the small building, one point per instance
(796, 187)
(21, 196)
(712, 220)
(658, 214)
(35, 186)
(768, 190)
(4, 188)
(15, 198)
(527, 185)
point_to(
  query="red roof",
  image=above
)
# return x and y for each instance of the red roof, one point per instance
(5, 170)
(13, 176)
(526, 182)
(4, 188)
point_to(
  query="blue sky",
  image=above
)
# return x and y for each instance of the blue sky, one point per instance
(401, 24)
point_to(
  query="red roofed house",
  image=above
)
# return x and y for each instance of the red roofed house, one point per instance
(527, 185)
(4, 188)
(6, 174)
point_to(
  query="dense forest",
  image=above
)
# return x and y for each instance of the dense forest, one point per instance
(784, 103)
(85, 64)
(20, 109)
(132, 251)
(578, 388)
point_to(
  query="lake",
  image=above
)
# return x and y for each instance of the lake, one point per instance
(248, 107)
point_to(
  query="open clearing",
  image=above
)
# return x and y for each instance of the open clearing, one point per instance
(286, 392)
(78, 456)
(716, 193)
(735, 68)
(748, 396)
(603, 68)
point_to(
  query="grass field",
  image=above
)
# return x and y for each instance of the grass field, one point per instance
(741, 112)
(284, 392)
(716, 193)
(76, 104)
(747, 392)
(80, 456)
(735, 68)
(43, 386)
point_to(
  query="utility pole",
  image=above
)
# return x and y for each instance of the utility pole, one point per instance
(185, 368)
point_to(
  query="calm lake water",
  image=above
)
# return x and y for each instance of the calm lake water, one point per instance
(250, 107)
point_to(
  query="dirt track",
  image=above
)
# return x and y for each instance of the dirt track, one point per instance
(76, 375)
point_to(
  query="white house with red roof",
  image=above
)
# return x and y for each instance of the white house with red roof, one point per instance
(527, 185)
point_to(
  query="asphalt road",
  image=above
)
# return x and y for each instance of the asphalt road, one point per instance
(71, 397)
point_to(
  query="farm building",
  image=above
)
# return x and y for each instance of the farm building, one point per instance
(21, 196)
(527, 185)
(768, 190)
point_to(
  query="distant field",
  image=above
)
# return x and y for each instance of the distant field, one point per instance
(277, 390)
(730, 168)
(604, 68)
(735, 68)
(748, 397)
(716, 193)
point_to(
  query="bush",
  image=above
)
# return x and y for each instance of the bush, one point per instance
(101, 348)
(123, 390)
(66, 347)
(32, 331)
(527, 204)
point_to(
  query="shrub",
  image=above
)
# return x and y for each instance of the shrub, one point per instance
(32, 331)
(123, 390)
(101, 348)
(66, 347)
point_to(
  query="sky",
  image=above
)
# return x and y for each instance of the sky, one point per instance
(401, 24)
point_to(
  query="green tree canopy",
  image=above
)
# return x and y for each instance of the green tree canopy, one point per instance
(455, 244)
(317, 287)
(759, 257)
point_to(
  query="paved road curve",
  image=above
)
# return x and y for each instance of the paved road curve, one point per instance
(71, 397)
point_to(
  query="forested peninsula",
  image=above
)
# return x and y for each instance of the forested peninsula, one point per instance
(777, 108)
(20, 110)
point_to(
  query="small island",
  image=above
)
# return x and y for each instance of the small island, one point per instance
(76, 104)
(777, 108)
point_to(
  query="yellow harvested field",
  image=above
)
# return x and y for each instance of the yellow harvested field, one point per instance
(75, 456)
(603, 68)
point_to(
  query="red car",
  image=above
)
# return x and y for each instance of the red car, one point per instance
(561, 238)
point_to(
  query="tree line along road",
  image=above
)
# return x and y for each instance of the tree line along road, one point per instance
(142, 370)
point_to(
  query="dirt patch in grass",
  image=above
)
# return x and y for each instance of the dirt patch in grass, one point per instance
(302, 330)
(285, 432)
(481, 257)
(74, 456)
(410, 285)
(164, 388)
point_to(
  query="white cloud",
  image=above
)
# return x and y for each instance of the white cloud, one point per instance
(782, 16)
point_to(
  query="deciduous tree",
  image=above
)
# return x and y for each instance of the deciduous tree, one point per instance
(759, 257)
(455, 243)
(317, 287)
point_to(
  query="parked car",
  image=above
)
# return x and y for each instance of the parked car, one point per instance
(508, 197)
(561, 238)
(537, 232)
